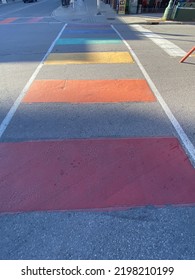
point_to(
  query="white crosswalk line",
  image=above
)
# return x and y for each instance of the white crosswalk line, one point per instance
(169, 47)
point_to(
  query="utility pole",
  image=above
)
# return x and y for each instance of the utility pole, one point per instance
(98, 8)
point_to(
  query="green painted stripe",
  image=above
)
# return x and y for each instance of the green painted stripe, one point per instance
(86, 41)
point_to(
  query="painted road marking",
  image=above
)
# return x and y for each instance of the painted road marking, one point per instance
(83, 91)
(89, 26)
(20, 9)
(186, 143)
(28, 20)
(8, 20)
(83, 31)
(89, 58)
(10, 114)
(35, 20)
(169, 47)
(94, 174)
(86, 41)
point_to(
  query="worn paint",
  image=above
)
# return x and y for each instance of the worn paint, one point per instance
(86, 41)
(94, 174)
(94, 91)
(89, 58)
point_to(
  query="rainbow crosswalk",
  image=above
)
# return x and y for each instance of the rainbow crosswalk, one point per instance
(26, 20)
(92, 172)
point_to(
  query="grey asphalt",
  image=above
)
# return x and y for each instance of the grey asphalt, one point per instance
(146, 233)
(174, 80)
(139, 233)
(18, 8)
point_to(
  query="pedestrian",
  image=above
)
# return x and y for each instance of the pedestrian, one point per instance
(65, 3)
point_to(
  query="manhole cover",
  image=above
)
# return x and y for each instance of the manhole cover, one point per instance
(110, 18)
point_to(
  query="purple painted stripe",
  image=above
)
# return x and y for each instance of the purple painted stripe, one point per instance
(36, 19)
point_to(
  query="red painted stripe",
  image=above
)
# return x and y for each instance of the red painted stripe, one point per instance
(8, 20)
(91, 174)
(34, 20)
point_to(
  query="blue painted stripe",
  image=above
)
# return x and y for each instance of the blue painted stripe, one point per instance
(79, 41)
(87, 31)
(89, 26)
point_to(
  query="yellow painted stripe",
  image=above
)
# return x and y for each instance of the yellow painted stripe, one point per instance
(89, 58)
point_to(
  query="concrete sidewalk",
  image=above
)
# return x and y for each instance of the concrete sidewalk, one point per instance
(86, 11)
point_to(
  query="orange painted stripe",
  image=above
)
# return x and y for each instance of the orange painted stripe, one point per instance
(8, 20)
(84, 91)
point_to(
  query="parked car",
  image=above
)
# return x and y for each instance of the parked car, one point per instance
(28, 1)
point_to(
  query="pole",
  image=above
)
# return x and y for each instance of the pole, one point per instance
(168, 10)
(98, 8)
(188, 54)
